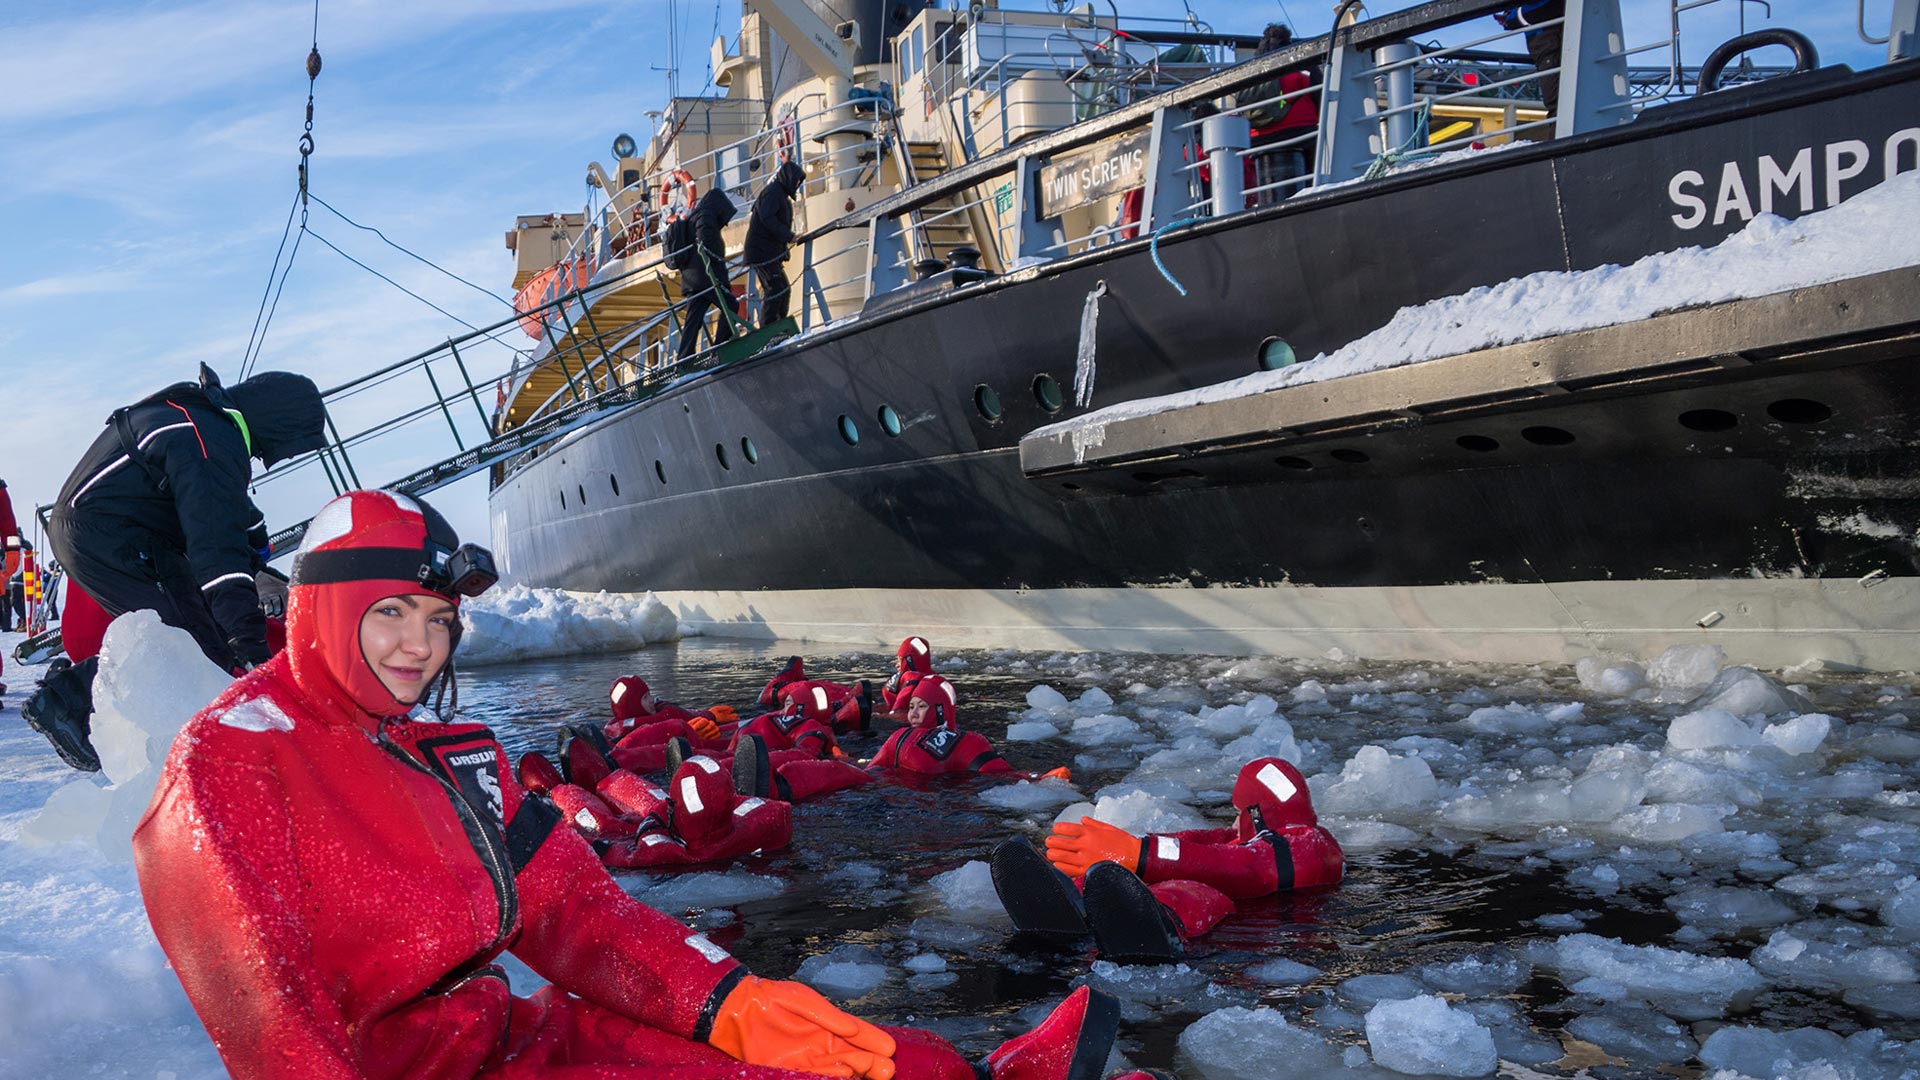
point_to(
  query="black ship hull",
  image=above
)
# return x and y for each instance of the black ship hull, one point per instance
(1389, 541)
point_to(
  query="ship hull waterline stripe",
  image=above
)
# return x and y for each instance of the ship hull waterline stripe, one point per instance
(1767, 623)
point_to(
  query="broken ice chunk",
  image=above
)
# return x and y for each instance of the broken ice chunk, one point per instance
(1425, 1036)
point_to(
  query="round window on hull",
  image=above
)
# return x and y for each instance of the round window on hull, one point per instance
(1046, 391)
(849, 431)
(749, 451)
(987, 403)
(1275, 354)
(889, 420)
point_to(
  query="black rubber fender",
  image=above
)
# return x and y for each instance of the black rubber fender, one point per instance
(1805, 56)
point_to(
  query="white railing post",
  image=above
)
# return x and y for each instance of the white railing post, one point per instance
(1399, 92)
(1167, 193)
(1225, 136)
(1349, 135)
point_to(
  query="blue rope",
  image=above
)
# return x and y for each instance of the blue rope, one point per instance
(1153, 248)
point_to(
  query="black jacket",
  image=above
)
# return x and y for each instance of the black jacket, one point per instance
(770, 227)
(187, 489)
(709, 216)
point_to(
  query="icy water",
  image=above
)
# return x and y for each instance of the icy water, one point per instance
(1504, 811)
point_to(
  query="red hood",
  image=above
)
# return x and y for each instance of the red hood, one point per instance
(1274, 790)
(914, 654)
(626, 695)
(323, 620)
(936, 691)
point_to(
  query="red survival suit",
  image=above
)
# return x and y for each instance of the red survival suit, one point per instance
(641, 726)
(852, 704)
(1276, 844)
(937, 745)
(912, 659)
(9, 555)
(331, 883)
(697, 820)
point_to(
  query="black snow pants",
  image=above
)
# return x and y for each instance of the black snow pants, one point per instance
(125, 568)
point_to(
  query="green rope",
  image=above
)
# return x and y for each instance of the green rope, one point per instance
(1394, 156)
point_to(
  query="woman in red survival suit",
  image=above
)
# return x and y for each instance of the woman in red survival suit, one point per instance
(332, 877)
(1142, 898)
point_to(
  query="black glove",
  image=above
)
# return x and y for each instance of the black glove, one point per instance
(250, 653)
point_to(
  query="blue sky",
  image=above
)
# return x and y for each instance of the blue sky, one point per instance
(147, 159)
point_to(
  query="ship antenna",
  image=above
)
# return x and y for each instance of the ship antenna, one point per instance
(263, 315)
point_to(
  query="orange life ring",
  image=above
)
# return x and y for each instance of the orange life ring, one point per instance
(678, 178)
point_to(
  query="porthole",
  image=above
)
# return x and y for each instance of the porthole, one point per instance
(1479, 444)
(615, 481)
(1708, 420)
(1542, 435)
(563, 498)
(720, 452)
(1070, 485)
(849, 431)
(889, 420)
(1300, 463)
(986, 402)
(749, 451)
(660, 471)
(582, 489)
(1798, 411)
(1351, 457)
(1275, 354)
(1046, 391)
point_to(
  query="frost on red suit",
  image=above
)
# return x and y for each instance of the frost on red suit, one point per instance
(332, 881)
(937, 745)
(1276, 843)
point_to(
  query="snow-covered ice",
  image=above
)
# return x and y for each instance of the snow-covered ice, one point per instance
(519, 623)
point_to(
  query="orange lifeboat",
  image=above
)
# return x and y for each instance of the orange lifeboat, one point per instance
(574, 274)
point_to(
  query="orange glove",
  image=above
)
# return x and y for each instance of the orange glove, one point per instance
(787, 1025)
(1061, 773)
(838, 754)
(1075, 846)
(723, 714)
(704, 727)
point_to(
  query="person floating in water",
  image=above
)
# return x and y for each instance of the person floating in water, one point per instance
(1143, 898)
(852, 703)
(912, 659)
(333, 872)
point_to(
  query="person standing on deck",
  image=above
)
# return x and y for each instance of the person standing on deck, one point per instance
(769, 235)
(704, 282)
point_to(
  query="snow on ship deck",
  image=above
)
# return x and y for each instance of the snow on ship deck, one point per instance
(1592, 865)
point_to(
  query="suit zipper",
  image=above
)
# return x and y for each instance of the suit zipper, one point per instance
(492, 852)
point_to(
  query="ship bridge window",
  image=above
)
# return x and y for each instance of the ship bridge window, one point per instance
(889, 420)
(749, 451)
(986, 402)
(1046, 391)
(1275, 354)
(1543, 435)
(849, 430)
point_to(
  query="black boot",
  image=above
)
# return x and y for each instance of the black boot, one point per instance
(1129, 923)
(61, 708)
(678, 751)
(752, 768)
(1038, 897)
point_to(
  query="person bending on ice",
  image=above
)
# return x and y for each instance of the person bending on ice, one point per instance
(1142, 898)
(333, 875)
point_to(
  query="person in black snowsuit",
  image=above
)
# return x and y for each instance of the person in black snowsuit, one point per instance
(1543, 44)
(156, 517)
(769, 234)
(704, 282)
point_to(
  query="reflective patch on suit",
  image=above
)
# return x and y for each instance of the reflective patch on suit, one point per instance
(585, 819)
(690, 794)
(619, 691)
(748, 806)
(940, 744)
(653, 838)
(1276, 782)
(257, 714)
(705, 764)
(1166, 848)
(713, 953)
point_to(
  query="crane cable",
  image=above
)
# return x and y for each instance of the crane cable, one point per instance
(263, 316)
